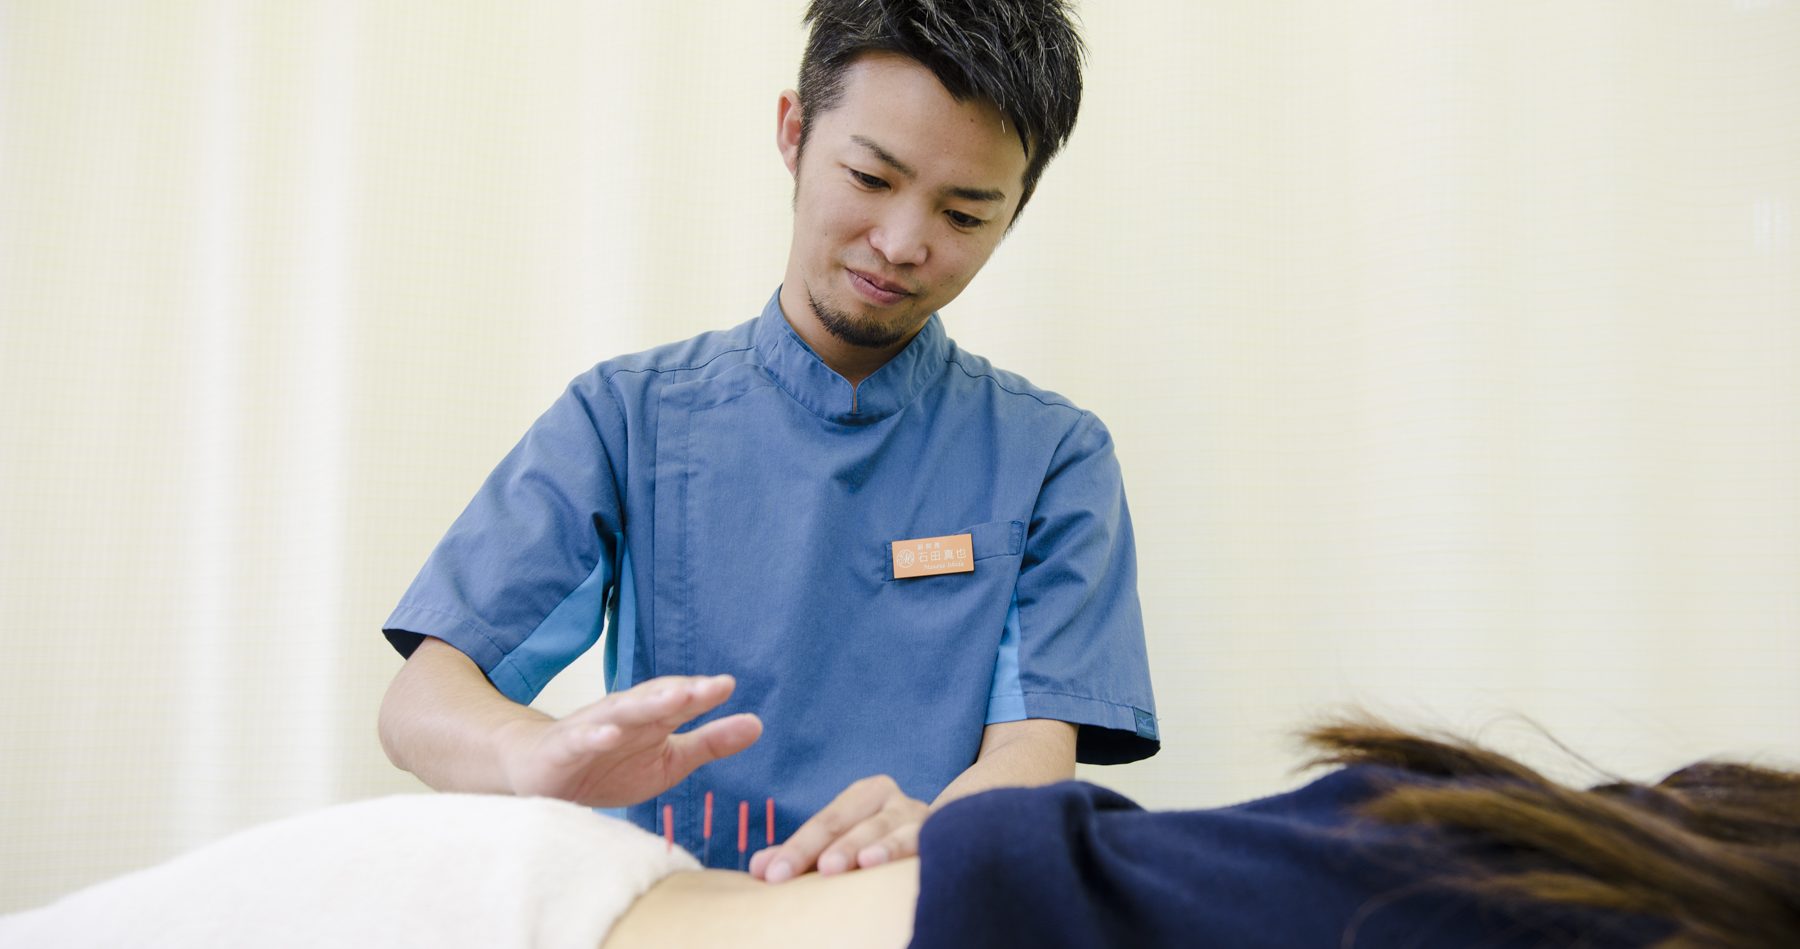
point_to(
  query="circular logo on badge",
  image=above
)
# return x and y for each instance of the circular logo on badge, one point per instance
(906, 557)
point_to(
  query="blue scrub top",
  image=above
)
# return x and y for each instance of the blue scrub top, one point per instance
(727, 505)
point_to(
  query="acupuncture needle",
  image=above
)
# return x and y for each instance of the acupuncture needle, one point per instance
(669, 826)
(743, 834)
(706, 833)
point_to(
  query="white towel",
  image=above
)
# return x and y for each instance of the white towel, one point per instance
(441, 870)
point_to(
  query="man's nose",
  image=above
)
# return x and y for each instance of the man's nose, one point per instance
(900, 238)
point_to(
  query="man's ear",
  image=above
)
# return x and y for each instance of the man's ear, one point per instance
(787, 130)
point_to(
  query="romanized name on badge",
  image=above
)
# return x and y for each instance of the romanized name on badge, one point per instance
(930, 556)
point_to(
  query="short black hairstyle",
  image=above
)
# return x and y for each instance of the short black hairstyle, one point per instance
(1023, 56)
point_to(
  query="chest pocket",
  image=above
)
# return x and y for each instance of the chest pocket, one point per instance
(995, 539)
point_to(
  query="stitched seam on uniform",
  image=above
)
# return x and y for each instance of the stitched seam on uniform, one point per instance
(624, 471)
(1089, 699)
(462, 622)
(764, 383)
(1084, 698)
(778, 382)
(995, 381)
(685, 590)
(714, 358)
(774, 382)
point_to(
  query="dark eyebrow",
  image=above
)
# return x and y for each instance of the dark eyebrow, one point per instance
(887, 158)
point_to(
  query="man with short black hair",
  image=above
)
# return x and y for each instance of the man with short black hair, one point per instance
(916, 568)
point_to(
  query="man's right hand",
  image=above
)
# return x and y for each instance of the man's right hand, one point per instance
(445, 722)
(624, 749)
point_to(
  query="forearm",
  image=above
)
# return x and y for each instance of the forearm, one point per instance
(442, 720)
(1017, 754)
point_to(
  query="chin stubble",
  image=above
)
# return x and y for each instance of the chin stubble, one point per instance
(868, 334)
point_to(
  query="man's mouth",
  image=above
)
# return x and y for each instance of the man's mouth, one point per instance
(876, 289)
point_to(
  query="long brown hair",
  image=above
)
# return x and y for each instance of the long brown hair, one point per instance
(1713, 848)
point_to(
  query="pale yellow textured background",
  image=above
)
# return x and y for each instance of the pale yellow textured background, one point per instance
(1452, 351)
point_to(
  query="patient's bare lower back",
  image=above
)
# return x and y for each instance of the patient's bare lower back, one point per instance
(865, 908)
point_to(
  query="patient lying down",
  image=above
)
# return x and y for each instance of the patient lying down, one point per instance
(1413, 841)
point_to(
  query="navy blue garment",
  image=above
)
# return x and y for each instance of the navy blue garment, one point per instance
(729, 504)
(1078, 865)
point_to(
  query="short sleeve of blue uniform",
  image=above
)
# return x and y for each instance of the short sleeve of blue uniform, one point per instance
(521, 581)
(1076, 627)
(729, 504)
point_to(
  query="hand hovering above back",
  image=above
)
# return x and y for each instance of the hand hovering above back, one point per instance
(446, 723)
(624, 748)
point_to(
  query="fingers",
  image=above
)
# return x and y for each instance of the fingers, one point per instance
(666, 701)
(624, 748)
(871, 819)
(902, 841)
(645, 714)
(640, 726)
(710, 742)
(890, 833)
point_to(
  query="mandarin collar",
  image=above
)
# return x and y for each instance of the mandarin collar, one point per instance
(818, 387)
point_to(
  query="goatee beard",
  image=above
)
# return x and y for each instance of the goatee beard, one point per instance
(868, 334)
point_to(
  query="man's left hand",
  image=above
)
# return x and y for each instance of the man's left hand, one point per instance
(870, 823)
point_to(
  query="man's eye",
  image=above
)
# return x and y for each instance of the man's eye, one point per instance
(965, 221)
(867, 180)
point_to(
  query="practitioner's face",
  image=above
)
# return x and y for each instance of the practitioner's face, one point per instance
(902, 195)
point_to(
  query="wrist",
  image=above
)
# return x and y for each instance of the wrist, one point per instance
(510, 743)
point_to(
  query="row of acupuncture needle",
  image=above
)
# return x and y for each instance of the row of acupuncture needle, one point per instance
(706, 830)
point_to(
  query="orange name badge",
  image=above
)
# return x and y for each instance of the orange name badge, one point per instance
(930, 556)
